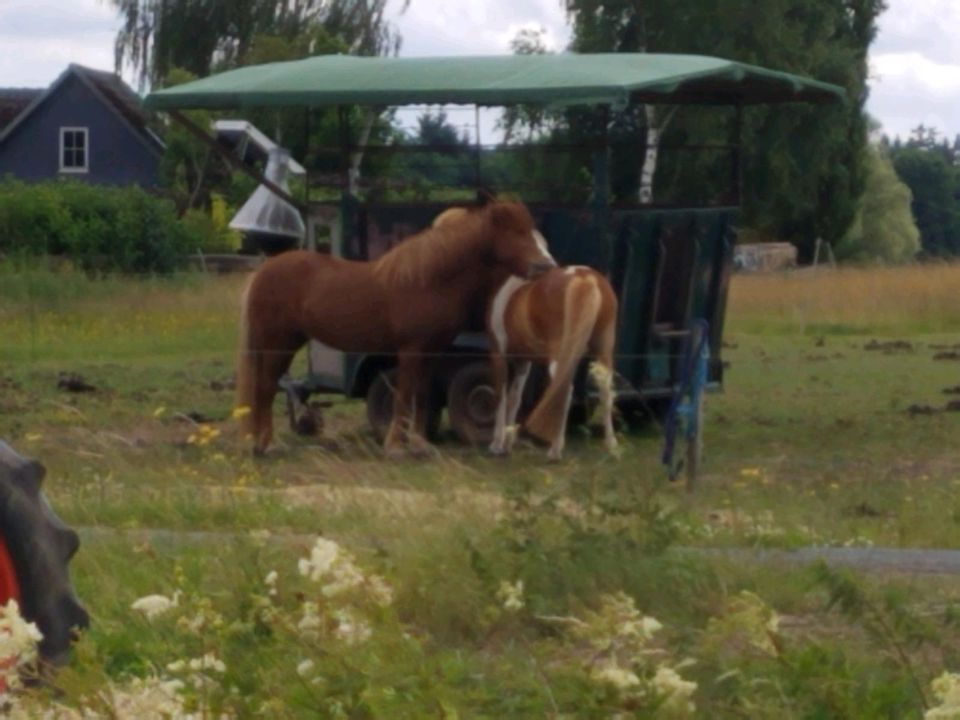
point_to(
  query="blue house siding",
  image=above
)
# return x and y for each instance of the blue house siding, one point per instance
(117, 155)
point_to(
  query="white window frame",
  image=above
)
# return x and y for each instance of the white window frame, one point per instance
(86, 150)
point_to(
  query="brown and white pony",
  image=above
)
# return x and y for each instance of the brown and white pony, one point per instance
(556, 319)
(412, 301)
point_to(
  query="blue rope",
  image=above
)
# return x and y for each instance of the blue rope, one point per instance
(683, 415)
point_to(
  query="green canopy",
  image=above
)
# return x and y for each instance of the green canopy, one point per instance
(560, 79)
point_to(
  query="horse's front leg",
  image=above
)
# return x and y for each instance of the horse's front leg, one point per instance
(402, 431)
(515, 399)
(499, 371)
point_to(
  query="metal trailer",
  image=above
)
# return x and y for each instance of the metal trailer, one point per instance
(670, 266)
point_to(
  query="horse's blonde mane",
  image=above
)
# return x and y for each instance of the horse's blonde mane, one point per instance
(436, 251)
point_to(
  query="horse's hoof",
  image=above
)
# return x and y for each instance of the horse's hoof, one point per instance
(498, 451)
(555, 455)
(527, 436)
(395, 452)
(424, 452)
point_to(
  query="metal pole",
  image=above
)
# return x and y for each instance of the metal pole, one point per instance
(477, 149)
(738, 156)
(344, 128)
(601, 188)
(204, 137)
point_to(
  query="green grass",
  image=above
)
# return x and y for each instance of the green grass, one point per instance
(810, 442)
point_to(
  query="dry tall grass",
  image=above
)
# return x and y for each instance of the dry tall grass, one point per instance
(920, 298)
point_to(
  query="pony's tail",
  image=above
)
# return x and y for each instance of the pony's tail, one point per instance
(246, 372)
(581, 307)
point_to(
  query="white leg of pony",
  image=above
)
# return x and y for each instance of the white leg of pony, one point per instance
(606, 399)
(499, 444)
(501, 376)
(556, 449)
(516, 396)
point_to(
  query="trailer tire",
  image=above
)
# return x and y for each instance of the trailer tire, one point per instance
(40, 548)
(471, 403)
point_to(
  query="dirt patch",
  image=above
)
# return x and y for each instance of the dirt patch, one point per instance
(952, 406)
(955, 390)
(74, 382)
(916, 409)
(223, 385)
(947, 355)
(889, 347)
(864, 509)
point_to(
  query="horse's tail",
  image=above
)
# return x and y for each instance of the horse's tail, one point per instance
(581, 307)
(246, 371)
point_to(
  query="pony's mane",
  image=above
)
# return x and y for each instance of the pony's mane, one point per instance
(439, 251)
(434, 252)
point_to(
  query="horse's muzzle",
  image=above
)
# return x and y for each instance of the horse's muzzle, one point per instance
(538, 268)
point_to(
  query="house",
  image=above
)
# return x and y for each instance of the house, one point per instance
(88, 125)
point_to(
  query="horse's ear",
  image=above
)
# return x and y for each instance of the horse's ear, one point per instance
(485, 196)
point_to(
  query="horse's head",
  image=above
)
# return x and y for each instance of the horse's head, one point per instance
(516, 243)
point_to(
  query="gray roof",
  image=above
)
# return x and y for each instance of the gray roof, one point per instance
(14, 101)
(115, 93)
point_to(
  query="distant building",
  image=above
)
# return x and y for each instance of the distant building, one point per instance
(88, 125)
(761, 257)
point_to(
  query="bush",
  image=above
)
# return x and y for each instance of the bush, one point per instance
(100, 229)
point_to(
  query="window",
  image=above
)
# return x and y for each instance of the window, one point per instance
(73, 149)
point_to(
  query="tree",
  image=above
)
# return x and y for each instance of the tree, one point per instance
(804, 168)
(201, 36)
(883, 229)
(934, 184)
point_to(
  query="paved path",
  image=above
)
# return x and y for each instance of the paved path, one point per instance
(880, 560)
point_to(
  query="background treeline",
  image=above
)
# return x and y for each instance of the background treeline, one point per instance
(810, 172)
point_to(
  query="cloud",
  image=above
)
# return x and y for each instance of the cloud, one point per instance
(476, 27)
(916, 71)
(39, 38)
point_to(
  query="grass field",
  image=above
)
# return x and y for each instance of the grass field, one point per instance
(833, 429)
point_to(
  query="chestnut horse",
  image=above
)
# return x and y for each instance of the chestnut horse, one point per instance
(412, 301)
(557, 319)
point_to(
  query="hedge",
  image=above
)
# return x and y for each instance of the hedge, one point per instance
(99, 228)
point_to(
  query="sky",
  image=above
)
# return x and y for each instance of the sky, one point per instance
(915, 63)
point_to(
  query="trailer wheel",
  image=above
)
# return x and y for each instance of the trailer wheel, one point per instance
(34, 556)
(380, 406)
(471, 403)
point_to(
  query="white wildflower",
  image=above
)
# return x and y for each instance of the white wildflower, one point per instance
(305, 668)
(344, 576)
(511, 595)
(612, 674)
(380, 590)
(350, 628)
(271, 582)
(946, 689)
(18, 643)
(322, 557)
(310, 623)
(208, 662)
(675, 693)
(153, 606)
(144, 699)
